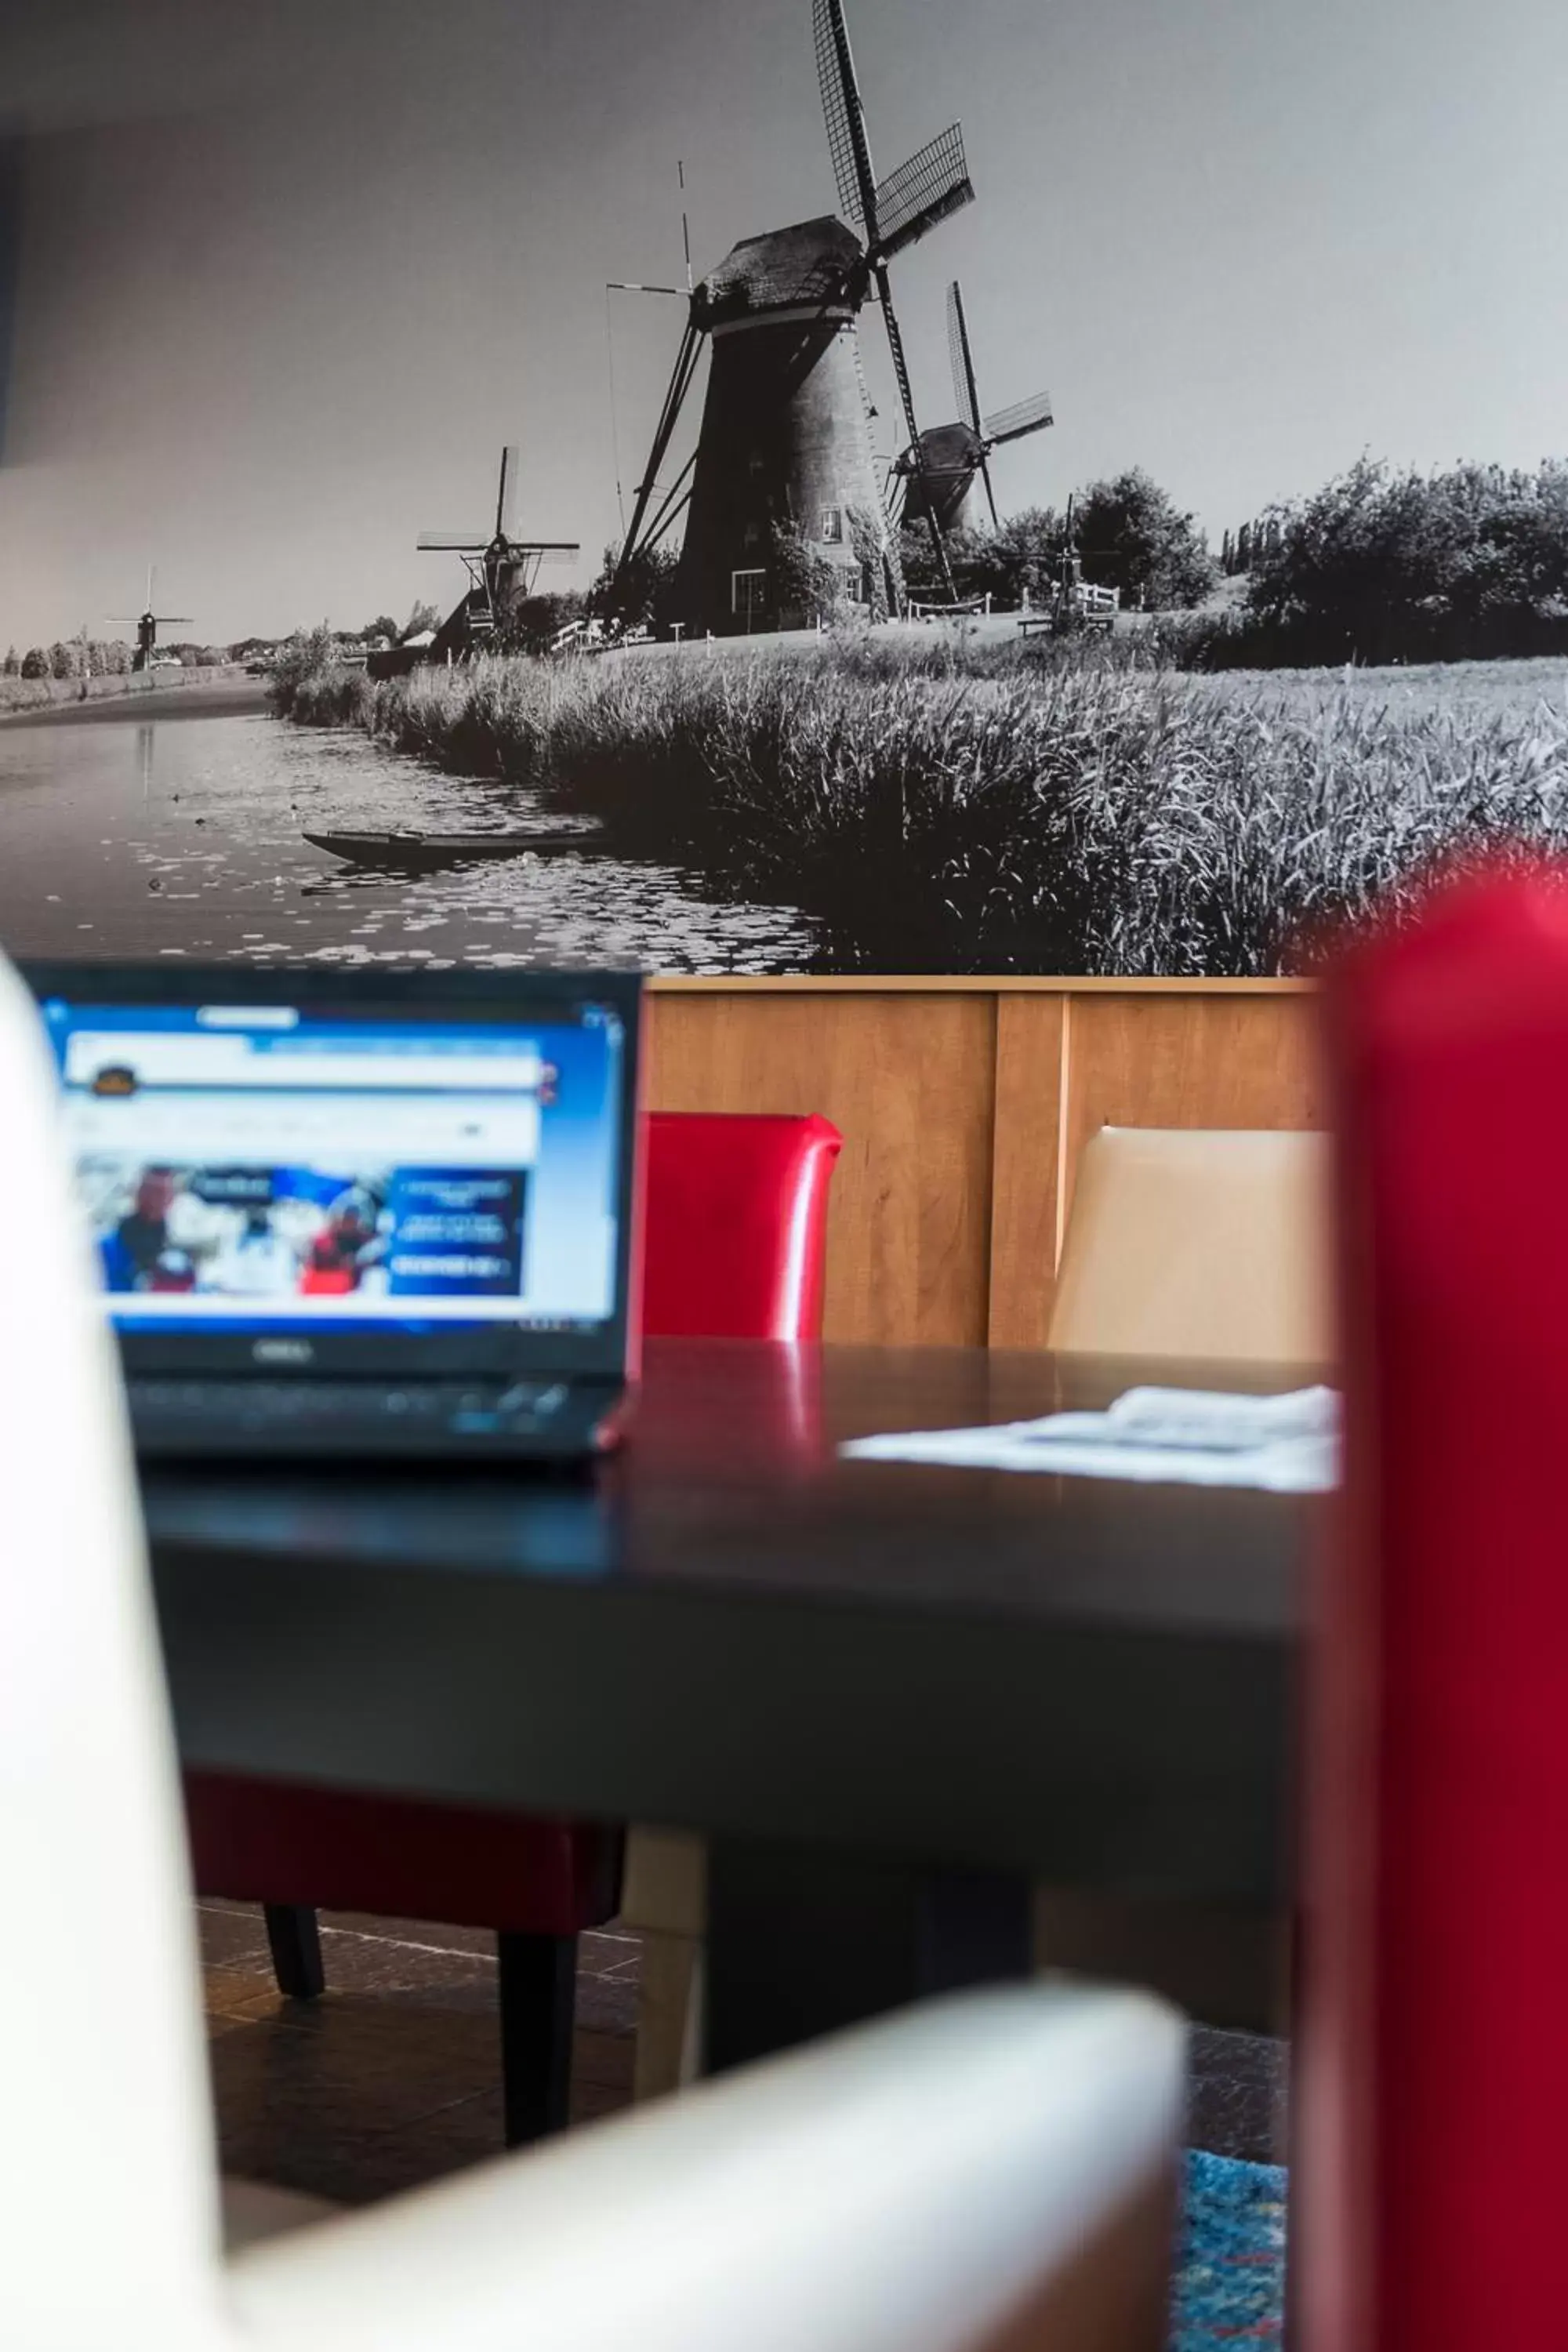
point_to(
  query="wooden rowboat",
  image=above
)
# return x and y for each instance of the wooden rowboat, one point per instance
(413, 851)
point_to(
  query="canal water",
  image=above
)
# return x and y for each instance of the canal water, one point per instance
(176, 836)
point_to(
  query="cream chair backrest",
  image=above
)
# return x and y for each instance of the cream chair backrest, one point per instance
(108, 2177)
(1202, 1243)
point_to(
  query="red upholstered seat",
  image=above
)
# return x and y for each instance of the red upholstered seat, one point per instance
(1433, 2101)
(735, 1221)
(737, 1215)
(520, 1874)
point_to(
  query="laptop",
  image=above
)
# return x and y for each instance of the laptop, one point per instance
(355, 1216)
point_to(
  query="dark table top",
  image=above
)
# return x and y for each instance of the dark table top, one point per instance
(731, 1628)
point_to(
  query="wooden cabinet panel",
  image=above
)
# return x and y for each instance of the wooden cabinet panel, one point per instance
(1153, 1060)
(965, 1107)
(910, 1079)
(1026, 1188)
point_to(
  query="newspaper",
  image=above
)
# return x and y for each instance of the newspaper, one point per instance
(1198, 1437)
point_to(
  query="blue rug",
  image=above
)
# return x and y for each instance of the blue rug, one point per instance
(1230, 2275)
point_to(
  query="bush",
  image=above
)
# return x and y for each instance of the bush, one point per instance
(306, 658)
(644, 598)
(1128, 532)
(808, 588)
(1380, 566)
(533, 624)
(1131, 535)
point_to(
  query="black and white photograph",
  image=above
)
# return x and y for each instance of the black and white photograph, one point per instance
(768, 487)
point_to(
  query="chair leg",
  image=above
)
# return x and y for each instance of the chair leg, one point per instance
(670, 2014)
(294, 1940)
(538, 1983)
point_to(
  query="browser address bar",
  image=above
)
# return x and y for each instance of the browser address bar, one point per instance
(118, 1064)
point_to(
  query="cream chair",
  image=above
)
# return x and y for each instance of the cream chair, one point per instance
(664, 1898)
(1208, 1244)
(990, 2169)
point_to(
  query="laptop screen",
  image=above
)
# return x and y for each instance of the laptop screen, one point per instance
(313, 1166)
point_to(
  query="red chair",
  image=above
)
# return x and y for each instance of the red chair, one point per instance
(733, 1241)
(1433, 2063)
(737, 1222)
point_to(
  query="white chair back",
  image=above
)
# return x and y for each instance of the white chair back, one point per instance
(108, 2176)
(989, 2172)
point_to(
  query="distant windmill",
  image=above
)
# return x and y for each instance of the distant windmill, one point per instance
(933, 185)
(501, 568)
(785, 441)
(147, 624)
(941, 469)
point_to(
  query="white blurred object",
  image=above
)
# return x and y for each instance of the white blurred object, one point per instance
(997, 2166)
(1195, 1437)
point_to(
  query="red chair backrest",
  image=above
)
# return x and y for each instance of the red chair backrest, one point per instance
(1433, 2112)
(736, 1224)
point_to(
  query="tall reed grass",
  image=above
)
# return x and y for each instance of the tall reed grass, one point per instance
(1075, 814)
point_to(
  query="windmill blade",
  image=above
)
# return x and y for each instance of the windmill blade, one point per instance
(990, 494)
(1024, 416)
(175, 620)
(907, 401)
(467, 542)
(536, 551)
(930, 187)
(506, 490)
(965, 390)
(846, 117)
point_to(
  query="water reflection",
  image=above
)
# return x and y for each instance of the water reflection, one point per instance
(183, 836)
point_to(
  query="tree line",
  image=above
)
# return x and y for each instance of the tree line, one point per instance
(83, 656)
(1468, 563)
(1126, 532)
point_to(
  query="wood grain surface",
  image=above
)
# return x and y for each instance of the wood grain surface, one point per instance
(909, 1080)
(964, 1106)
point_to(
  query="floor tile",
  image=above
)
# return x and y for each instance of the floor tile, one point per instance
(393, 2077)
(1236, 2103)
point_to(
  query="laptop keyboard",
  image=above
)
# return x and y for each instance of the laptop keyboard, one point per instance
(252, 1407)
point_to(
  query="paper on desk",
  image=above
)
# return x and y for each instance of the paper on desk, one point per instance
(1197, 1437)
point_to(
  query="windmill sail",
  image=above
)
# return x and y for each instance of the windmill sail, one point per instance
(846, 117)
(1030, 416)
(965, 392)
(510, 457)
(930, 188)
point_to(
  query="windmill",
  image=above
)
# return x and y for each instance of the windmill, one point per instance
(147, 623)
(939, 470)
(784, 444)
(911, 202)
(501, 568)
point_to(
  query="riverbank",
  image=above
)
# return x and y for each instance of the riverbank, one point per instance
(228, 691)
(947, 807)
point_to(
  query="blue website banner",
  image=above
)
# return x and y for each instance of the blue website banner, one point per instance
(456, 1233)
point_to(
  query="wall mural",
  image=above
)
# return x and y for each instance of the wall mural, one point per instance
(506, 484)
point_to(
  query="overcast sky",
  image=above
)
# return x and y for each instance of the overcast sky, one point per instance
(292, 273)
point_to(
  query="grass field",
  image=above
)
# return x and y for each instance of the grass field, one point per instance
(37, 697)
(970, 804)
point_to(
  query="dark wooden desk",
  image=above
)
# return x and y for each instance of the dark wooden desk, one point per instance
(957, 1679)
